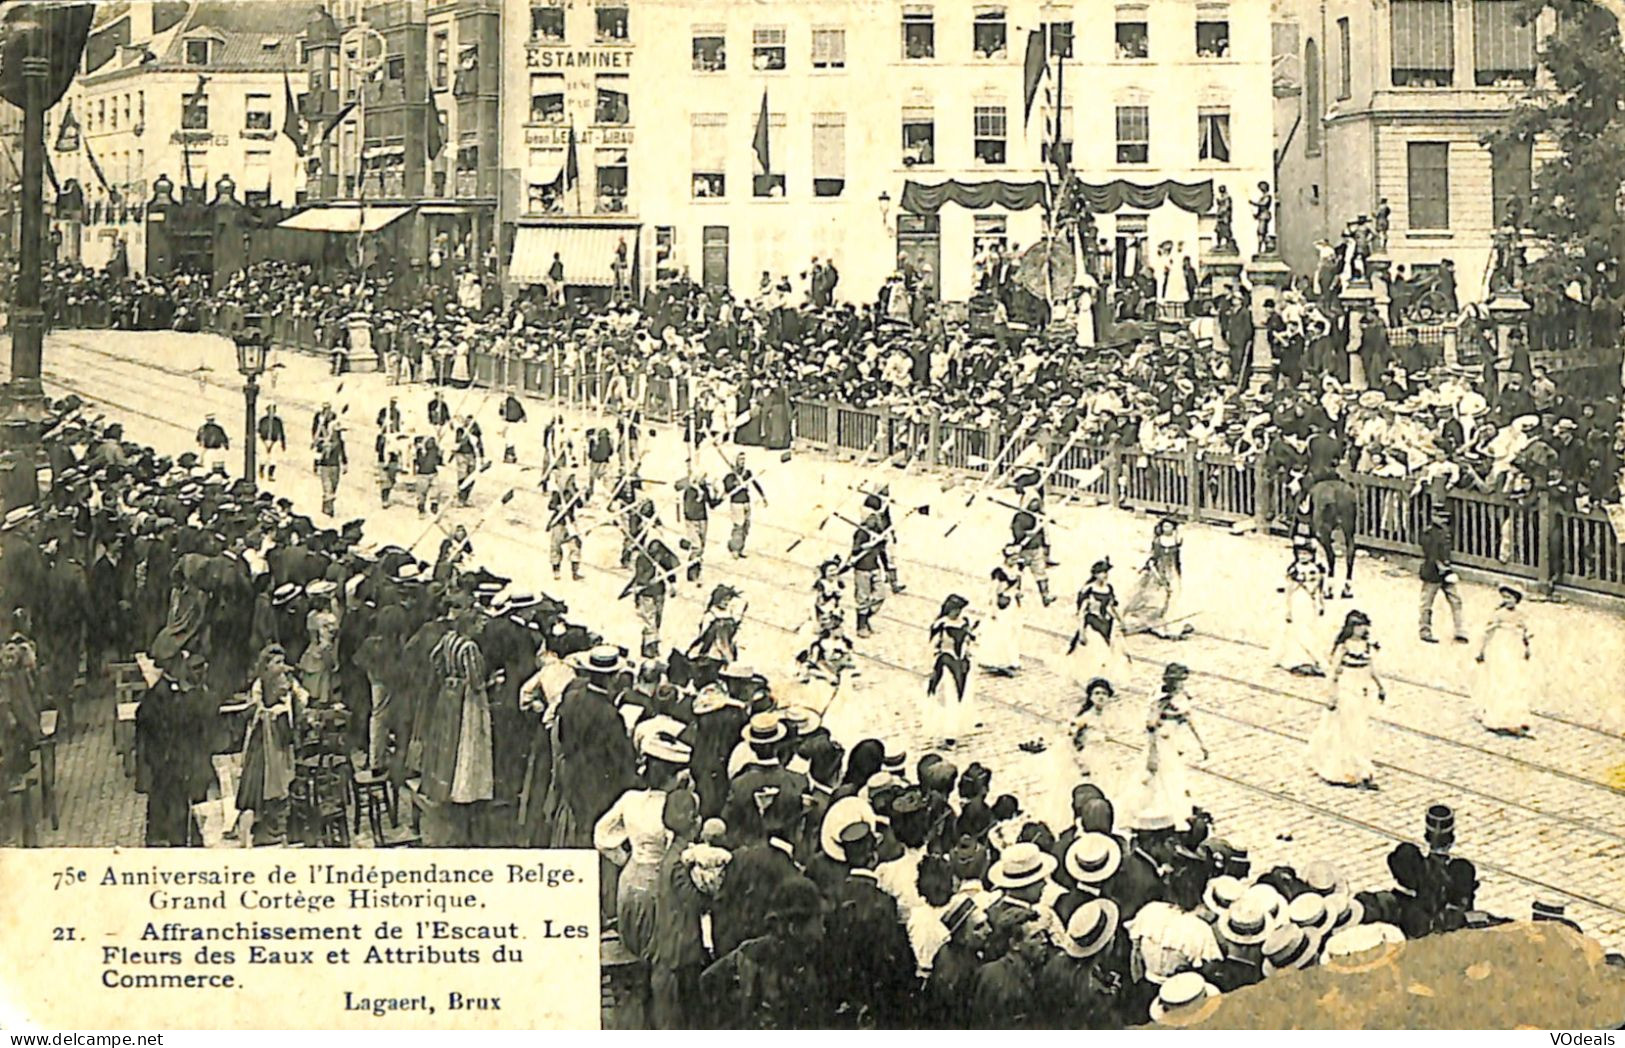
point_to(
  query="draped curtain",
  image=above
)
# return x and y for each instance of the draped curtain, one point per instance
(922, 199)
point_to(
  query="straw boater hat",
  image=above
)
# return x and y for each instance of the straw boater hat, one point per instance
(842, 814)
(802, 719)
(1288, 949)
(1093, 858)
(657, 737)
(1221, 893)
(1245, 923)
(1090, 928)
(1310, 912)
(604, 658)
(1021, 865)
(1185, 1000)
(321, 588)
(764, 729)
(1362, 947)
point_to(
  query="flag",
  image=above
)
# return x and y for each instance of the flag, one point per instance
(68, 135)
(191, 102)
(570, 173)
(1032, 71)
(759, 142)
(293, 122)
(97, 168)
(64, 26)
(327, 132)
(432, 137)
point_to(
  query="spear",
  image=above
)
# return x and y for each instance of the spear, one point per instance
(506, 498)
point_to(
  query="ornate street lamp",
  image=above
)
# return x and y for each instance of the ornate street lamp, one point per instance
(252, 350)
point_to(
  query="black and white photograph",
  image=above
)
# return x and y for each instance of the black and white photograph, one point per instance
(1039, 515)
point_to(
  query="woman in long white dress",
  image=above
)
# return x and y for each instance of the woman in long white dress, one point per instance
(952, 635)
(1096, 649)
(1296, 649)
(1171, 741)
(1340, 749)
(1000, 650)
(1501, 687)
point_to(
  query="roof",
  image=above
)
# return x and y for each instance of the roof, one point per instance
(243, 32)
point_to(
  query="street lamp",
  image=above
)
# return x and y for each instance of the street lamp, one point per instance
(251, 354)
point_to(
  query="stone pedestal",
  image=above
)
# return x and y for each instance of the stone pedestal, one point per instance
(1510, 311)
(1269, 277)
(1380, 266)
(1225, 268)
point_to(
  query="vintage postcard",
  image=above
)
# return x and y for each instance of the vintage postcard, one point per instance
(644, 514)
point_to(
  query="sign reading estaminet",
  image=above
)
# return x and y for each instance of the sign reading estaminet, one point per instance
(301, 939)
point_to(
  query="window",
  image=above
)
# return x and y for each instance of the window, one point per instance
(1212, 38)
(1133, 135)
(1424, 43)
(710, 51)
(101, 113)
(467, 79)
(547, 98)
(543, 187)
(126, 109)
(1213, 134)
(828, 48)
(442, 60)
(611, 164)
(195, 112)
(547, 22)
(989, 233)
(919, 34)
(919, 136)
(141, 107)
(1314, 110)
(988, 33)
(1345, 53)
(197, 52)
(709, 160)
(612, 28)
(614, 101)
(257, 113)
(1048, 150)
(1133, 38)
(195, 162)
(1511, 166)
(989, 130)
(828, 154)
(1060, 39)
(256, 184)
(1428, 179)
(112, 109)
(769, 183)
(395, 67)
(767, 48)
(1503, 47)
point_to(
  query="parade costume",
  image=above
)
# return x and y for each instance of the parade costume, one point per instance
(512, 414)
(330, 463)
(829, 598)
(736, 486)
(719, 627)
(1154, 605)
(1165, 797)
(868, 571)
(273, 438)
(1000, 648)
(1095, 649)
(211, 437)
(1502, 681)
(952, 635)
(654, 571)
(276, 710)
(1028, 534)
(1341, 747)
(698, 502)
(563, 534)
(1298, 648)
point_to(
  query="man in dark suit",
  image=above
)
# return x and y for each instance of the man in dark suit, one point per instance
(870, 960)
(1438, 575)
(764, 794)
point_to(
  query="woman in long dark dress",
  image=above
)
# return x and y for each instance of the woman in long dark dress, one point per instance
(952, 634)
(276, 704)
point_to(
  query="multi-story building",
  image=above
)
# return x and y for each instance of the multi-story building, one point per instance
(188, 91)
(1393, 102)
(862, 97)
(404, 102)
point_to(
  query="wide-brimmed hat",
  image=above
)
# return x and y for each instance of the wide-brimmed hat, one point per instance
(657, 737)
(764, 729)
(1288, 948)
(1362, 947)
(284, 594)
(1325, 878)
(19, 516)
(321, 588)
(1310, 912)
(603, 658)
(1021, 865)
(841, 814)
(1222, 892)
(1182, 1000)
(1093, 857)
(1473, 405)
(1371, 398)
(1090, 928)
(1510, 591)
(1245, 922)
(800, 718)
(1270, 900)
(1344, 911)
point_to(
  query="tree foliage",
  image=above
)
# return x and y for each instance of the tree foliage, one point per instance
(1578, 106)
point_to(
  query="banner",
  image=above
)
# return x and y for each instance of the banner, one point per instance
(1102, 198)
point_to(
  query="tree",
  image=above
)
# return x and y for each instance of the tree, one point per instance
(1578, 205)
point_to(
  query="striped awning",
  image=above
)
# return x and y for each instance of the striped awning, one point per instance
(343, 219)
(587, 252)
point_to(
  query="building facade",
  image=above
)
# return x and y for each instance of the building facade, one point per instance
(861, 97)
(192, 92)
(1393, 102)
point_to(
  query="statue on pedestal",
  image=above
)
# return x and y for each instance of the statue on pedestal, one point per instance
(1264, 218)
(1224, 233)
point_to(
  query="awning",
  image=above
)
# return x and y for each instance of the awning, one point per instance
(588, 253)
(343, 219)
(442, 209)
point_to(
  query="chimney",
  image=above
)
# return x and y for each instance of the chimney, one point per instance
(140, 21)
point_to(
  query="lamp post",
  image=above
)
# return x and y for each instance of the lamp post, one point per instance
(251, 354)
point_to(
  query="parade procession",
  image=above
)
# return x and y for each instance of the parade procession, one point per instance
(983, 591)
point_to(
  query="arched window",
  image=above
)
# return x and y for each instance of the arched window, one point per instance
(1313, 111)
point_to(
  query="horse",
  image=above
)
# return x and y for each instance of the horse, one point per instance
(1333, 508)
